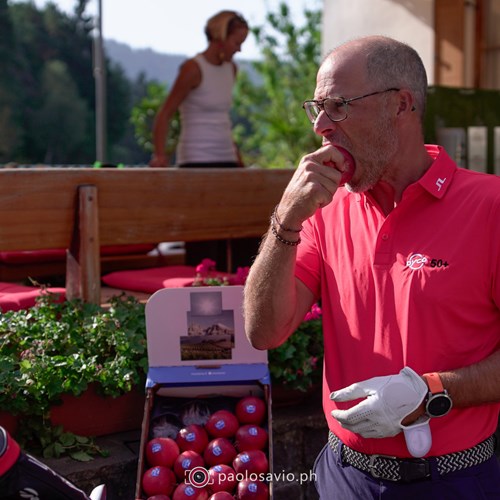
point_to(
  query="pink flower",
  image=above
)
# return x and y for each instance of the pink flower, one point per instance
(241, 276)
(205, 267)
(314, 313)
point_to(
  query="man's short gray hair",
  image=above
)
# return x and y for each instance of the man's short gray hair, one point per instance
(391, 63)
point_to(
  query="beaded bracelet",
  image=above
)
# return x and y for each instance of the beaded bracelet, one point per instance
(281, 239)
(283, 228)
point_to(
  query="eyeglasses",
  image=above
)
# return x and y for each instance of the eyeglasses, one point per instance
(334, 107)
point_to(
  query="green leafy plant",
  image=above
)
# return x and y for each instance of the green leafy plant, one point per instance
(271, 128)
(60, 348)
(298, 362)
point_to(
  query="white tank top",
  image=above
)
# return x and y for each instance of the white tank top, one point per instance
(205, 120)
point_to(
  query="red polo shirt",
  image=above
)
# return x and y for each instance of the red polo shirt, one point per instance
(419, 287)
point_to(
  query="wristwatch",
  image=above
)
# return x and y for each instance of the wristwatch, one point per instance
(438, 403)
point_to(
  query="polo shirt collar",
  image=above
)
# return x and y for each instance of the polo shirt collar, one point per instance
(438, 177)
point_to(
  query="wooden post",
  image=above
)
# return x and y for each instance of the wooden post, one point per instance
(83, 276)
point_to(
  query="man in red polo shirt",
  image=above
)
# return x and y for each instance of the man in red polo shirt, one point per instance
(405, 259)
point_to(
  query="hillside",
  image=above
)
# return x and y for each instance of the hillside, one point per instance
(155, 65)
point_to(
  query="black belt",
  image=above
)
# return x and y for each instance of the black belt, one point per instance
(412, 469)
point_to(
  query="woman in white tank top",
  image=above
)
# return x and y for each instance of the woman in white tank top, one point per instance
(202, 93)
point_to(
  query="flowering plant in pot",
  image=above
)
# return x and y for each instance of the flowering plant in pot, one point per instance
(60, 348)
(296, 364)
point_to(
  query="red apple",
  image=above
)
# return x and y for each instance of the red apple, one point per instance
(159, 497)
(252, 490)
(250, 410)
(192, 437)
(158, 480)
(219, 451)
(162, 451)
(251, 462)
(250, 437)
(222, 478)
(221, 495)
(186, 491)
(222, 423)
(186, 461)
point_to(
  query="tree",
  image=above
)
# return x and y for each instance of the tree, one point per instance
(143, 115)
(10, 129)
(60, 122)
(271, 127)
(49, 44)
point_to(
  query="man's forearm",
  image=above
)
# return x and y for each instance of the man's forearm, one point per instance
(270, 295)
(475, 384)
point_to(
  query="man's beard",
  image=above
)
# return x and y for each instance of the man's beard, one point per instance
(375, 155)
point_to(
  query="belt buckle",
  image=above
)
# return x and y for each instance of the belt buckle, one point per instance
(371, 466)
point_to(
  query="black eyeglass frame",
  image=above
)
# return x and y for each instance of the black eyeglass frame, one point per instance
(345, 103)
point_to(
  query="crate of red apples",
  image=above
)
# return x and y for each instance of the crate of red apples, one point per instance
(206, 432)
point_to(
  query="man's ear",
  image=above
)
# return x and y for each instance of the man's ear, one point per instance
(406, 102)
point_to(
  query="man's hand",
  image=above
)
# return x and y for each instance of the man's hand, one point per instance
(312, 186)
(388, 401)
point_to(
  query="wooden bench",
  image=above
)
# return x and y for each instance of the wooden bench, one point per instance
(82, 209)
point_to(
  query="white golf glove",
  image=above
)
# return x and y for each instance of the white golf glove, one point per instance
(388, 401)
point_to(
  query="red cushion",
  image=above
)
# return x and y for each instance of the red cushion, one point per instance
(59, 254)
(29, 256)
(155, 278)
(127, 249)
(15, 297)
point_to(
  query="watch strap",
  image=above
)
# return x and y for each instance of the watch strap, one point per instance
(434, 382)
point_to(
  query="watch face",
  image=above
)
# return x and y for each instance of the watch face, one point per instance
(438, 405)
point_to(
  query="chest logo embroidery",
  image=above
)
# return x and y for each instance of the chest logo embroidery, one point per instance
(416, 261)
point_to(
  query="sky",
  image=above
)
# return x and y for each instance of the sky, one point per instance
(176, 26)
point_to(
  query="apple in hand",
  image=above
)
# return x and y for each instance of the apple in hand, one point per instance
(250, 410)
(349, 165)
(162, 451)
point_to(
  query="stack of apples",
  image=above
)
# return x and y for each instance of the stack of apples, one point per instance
(222, 460)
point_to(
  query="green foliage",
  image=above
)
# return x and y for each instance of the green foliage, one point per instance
(55, 123)
(143, 115)
(62, 347)
(298, 362)
(53, 442)
(60, 120)
(273, 129)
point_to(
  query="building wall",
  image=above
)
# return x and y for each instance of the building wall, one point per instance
(410, 21)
